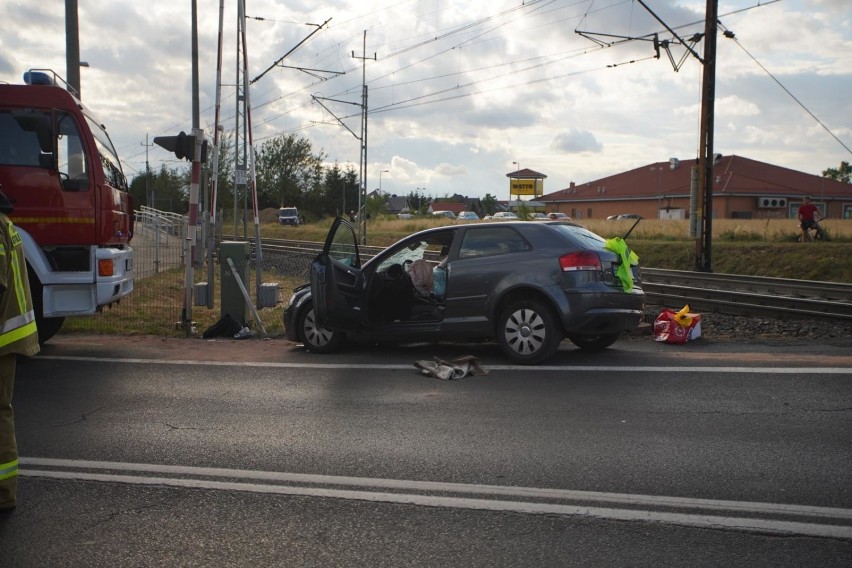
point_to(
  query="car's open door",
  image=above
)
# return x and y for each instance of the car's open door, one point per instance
(336, 284)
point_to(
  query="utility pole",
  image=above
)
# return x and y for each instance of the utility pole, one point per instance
(362, 190)
(72, 47)
(702, 222)
(703, 243)
(147, 173)
(214, 183)
(241, 149)
(195, 178)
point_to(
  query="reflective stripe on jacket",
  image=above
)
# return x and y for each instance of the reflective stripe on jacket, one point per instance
(18, 332)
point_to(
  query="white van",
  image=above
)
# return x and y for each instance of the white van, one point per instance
(288, 216)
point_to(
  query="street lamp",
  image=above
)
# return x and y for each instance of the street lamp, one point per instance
(380, 178)
(509, 203)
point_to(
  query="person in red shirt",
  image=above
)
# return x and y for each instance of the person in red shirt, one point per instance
(808, 216)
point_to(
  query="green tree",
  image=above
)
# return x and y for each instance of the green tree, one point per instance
(843, 173)
(377, 205)
(489, 204)
(315, 198)
(524, 211)
(339, 193)
(418, 202)
(285, 169)
(225, 178)
(167, 190)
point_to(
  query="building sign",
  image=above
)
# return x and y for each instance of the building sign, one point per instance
(526, 187)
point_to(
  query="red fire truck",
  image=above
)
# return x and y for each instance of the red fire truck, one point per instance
(71, 205)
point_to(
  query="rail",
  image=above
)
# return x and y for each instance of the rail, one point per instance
(730, 294)
(749, 295)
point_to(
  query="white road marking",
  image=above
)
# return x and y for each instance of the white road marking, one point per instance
(729, 515)
(528, 368)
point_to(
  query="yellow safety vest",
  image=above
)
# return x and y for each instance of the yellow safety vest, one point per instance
(18, 332)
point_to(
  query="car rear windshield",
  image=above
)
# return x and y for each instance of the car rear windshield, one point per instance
(584, 237)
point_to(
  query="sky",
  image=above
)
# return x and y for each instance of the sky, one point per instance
(462, 93)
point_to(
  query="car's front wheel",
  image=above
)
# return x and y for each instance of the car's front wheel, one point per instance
(594, 342)
(317, 338)
(528, 333)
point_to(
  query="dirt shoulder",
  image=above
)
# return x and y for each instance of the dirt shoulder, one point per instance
(169, 348)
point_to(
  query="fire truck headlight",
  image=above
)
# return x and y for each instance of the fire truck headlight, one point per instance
(105, 267)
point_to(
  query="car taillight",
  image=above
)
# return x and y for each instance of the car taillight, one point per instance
(584, 260)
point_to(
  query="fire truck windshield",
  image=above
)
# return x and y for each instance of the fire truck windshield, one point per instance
(108, 155)
(18, 141)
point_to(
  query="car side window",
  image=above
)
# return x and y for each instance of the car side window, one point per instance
(488, 241)
(344, 247)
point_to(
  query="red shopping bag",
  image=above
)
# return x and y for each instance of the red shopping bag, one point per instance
(677, 327)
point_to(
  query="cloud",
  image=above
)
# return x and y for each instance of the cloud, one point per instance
(576, 141)
(458, 91)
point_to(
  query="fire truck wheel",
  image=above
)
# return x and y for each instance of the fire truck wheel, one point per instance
(47, 327)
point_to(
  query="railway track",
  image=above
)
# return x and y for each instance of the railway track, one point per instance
(748, 295)
(729, 294)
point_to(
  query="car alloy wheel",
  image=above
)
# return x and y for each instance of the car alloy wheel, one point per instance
(528, 333)
(315, 337)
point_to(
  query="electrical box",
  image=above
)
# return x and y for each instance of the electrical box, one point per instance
(233, 302)
(200, 293)
(269, 295)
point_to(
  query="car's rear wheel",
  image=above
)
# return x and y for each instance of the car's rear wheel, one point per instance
(528, 333)
(317, 338)
(594, 342)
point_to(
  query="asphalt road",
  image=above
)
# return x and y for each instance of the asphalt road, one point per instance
(229, 453)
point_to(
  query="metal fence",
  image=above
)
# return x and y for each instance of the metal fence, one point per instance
(156, 306)
(158, 241)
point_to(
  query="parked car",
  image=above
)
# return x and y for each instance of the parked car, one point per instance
(527, 285)
(504, 216)
(288, 216)
(556, 216)
(447, 214)
(405, 216)
(468, 216)
(539, 217)
(626, 216)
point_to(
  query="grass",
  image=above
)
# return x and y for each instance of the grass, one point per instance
(155, 307)
(386, 230)
(755, 247)
(748, 247)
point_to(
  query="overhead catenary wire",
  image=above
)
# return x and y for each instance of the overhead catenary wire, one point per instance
(786, 90)
(438, 95)
(450, 33)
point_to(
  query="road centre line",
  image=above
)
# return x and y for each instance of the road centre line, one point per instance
(326, 486)
(402, 367)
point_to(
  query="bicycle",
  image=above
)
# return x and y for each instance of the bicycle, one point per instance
(813, 232)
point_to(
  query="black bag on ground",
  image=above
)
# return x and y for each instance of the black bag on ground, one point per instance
(227, 326)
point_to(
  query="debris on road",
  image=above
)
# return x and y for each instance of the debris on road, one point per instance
(455, 369)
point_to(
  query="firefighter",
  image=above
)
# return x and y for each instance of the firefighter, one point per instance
(18, 336)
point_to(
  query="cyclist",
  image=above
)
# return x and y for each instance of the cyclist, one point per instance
(808, 216)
